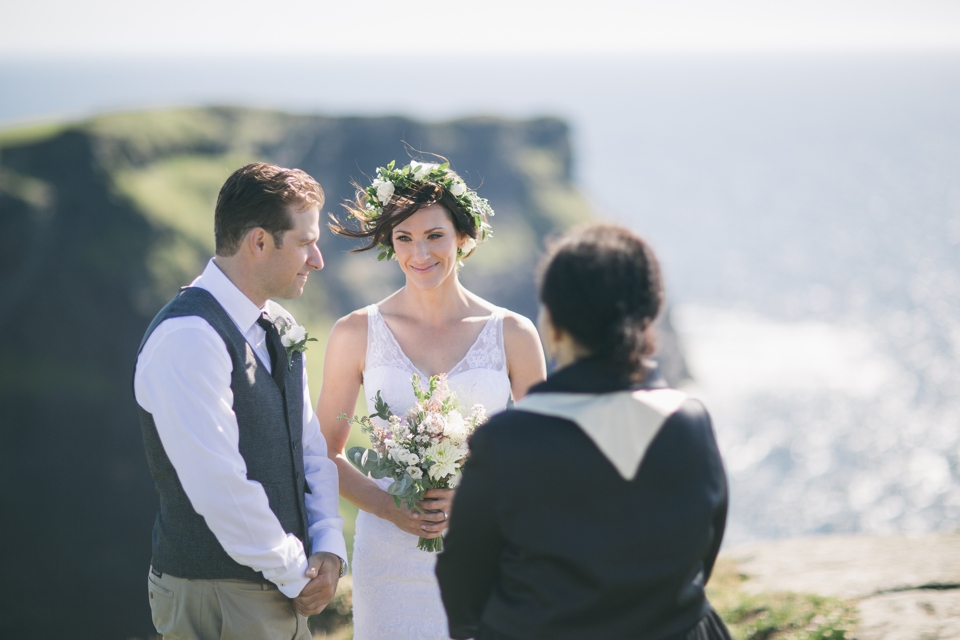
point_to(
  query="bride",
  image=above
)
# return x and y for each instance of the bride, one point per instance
(424, 216)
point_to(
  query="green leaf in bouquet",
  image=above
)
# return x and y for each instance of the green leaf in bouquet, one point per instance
(401, 486)
(368, 461)
(382, 409)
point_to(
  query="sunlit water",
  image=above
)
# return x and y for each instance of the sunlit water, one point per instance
(806, 210)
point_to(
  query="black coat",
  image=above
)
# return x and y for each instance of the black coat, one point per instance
(548, 540)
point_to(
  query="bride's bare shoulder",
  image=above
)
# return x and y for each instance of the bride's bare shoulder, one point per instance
(479, 306)
(350, 330)
(519, 332)
(519, 329)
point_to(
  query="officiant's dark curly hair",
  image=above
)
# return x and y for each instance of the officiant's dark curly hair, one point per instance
(260, 195)
(602, 285)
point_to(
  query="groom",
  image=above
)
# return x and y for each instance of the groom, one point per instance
(247, 541)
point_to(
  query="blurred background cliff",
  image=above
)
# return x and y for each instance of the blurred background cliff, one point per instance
(796, 166)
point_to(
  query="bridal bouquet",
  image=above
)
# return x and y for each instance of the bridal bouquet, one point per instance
(422, 450)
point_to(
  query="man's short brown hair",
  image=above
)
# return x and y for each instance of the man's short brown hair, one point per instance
(260, 195)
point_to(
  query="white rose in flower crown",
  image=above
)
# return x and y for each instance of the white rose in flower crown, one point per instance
(385, 190)
(458, 188)
(445, 456)
(293, 334)
(469, 245)
(420, 169)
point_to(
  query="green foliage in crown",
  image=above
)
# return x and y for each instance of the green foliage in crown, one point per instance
(391, 180)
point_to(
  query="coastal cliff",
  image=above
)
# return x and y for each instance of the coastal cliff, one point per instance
(105, 219)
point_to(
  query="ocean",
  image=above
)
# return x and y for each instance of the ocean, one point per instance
(806, 210)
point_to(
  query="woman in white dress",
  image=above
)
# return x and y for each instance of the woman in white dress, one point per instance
(425, 217)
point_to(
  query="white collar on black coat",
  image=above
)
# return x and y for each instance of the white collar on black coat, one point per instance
(621, 424)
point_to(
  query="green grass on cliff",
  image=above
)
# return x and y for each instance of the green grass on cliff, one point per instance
(181, 191)
(143, 136)
(778, 615)
(30, 133)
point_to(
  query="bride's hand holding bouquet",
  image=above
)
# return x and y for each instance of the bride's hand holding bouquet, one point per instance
(422, 452)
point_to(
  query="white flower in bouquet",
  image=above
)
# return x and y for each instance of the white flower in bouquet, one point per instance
(456, 429)
(433, 423)
(478, 415)
(454, 480)
(415, 472)
(446, 458)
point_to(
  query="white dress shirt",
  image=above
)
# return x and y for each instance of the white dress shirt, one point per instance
(183, 379)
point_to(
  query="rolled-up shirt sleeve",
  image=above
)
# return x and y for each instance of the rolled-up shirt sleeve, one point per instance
(323, 503)
(183, 380)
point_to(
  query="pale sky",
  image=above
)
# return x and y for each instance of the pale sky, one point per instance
(318, 27)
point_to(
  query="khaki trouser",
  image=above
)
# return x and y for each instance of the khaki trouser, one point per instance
(228, 609)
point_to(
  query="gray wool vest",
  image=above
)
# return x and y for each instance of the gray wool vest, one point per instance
(270, 428)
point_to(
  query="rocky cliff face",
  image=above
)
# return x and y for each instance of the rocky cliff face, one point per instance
(903, 588)
(104, 220)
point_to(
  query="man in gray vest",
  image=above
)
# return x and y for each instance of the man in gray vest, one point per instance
(248, 540)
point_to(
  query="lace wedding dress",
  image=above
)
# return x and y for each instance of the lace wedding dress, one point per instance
(395, 592)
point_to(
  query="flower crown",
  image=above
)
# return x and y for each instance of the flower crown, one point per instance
(389, 180)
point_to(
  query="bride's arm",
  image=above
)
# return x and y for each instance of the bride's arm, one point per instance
(525, 364)
(342, 377)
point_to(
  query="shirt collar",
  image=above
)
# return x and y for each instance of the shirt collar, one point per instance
(237, 305)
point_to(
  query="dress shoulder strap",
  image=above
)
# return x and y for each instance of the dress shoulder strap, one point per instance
(382, 348)
(500, 347)
(488, 350)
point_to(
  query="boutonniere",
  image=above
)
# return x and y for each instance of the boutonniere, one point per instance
(294, 339)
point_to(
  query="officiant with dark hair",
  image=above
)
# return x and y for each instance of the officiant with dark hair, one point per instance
(595, 508)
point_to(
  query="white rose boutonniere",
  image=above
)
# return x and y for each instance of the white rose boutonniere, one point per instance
(294, 339)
